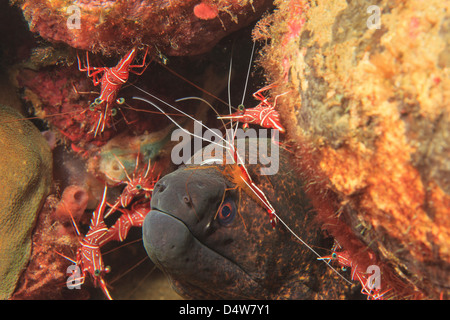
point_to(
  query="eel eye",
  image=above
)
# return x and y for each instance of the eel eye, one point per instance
(113, 112)
(227, 212)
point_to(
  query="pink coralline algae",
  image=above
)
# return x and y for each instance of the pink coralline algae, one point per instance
(174, 27)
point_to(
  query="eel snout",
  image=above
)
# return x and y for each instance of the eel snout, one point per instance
(166, 238)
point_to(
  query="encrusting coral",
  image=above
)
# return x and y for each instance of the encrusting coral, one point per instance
(371, 104)
(175, 27)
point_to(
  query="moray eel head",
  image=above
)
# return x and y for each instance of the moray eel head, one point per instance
(213, 241)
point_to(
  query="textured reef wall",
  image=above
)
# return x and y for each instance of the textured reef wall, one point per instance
(175, 27)
(373, 105)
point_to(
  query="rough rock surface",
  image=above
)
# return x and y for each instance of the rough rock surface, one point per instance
(174, 27)
(373, 107)
(26, 176)
(46, 274)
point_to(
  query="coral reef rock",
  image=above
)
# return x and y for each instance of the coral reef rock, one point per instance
(369, 91)
(26, 175)
(174, 27)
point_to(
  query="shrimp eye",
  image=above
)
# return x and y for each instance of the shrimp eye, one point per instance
(334, 255)
(98, 101)
(120, 101)
(113, 112)
(241, 108)
(97, 272)
(227, 212)
(139, 187)
(107, 269)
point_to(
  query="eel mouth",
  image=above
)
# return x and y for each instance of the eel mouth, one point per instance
(188, 263)
(166, 238)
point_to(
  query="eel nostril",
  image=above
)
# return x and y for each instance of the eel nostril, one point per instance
(160, 187)
(187, 200)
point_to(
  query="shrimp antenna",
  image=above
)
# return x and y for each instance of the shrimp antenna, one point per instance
(245, 86)
(192, 84)
(229, 145)
(176, 123)
(248, 72)
(206, 102)
(229, 89)
(310, 248)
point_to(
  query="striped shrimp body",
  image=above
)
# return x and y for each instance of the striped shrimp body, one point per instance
(264, 114)
(110, 83)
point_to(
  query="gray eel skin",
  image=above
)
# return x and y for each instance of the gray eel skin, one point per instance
(213, 245)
